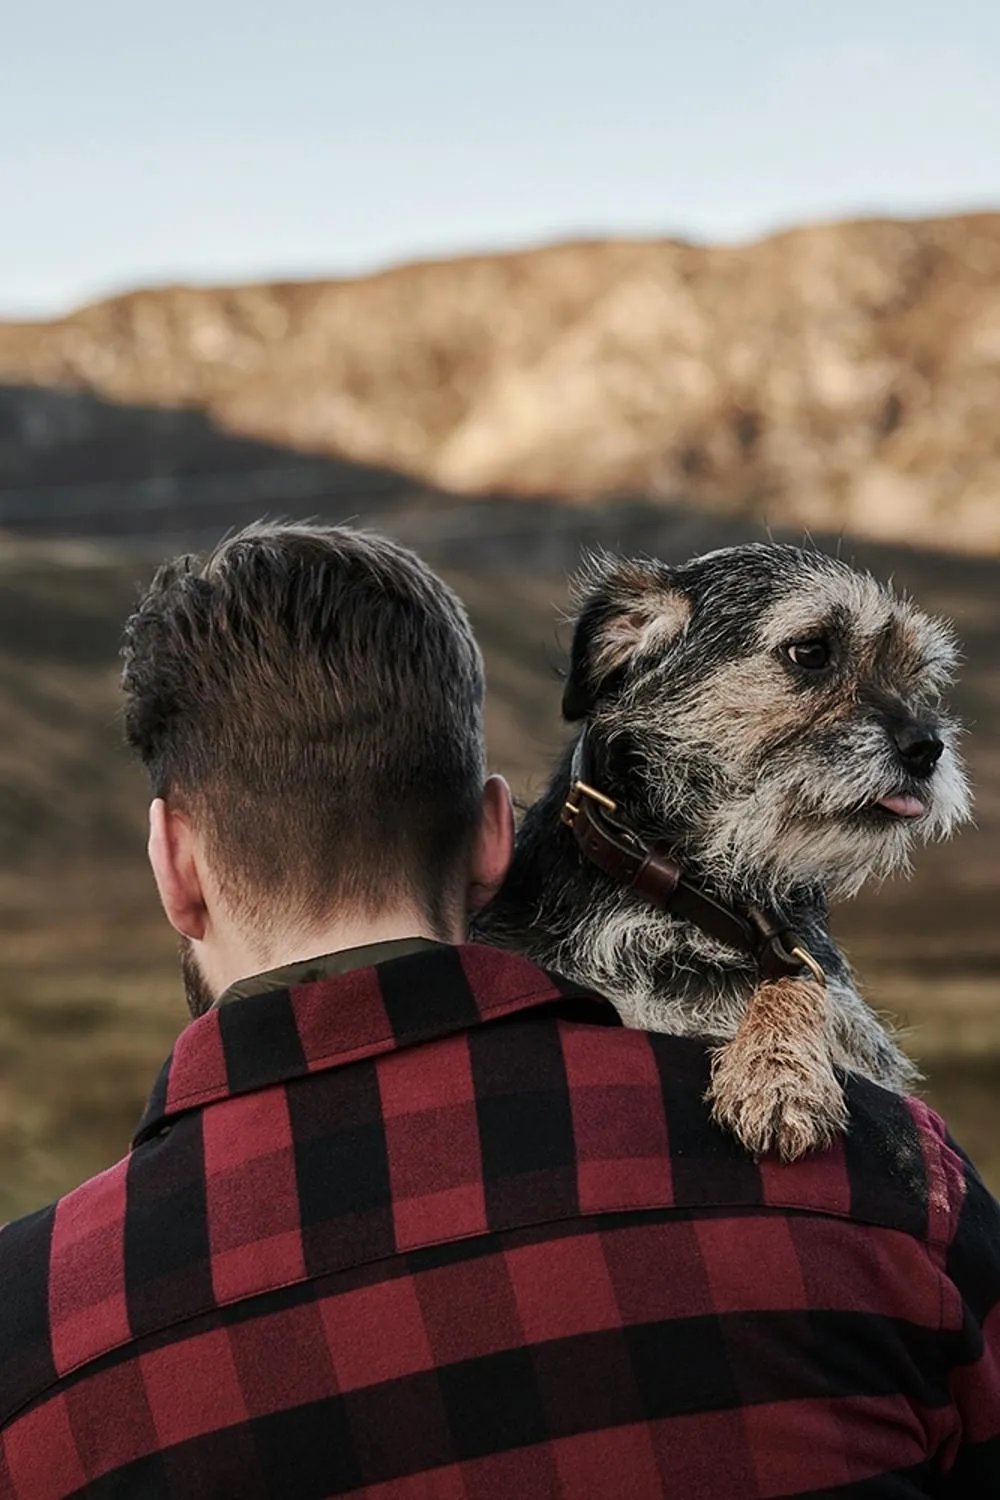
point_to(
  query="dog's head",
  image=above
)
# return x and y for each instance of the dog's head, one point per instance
(774, 712)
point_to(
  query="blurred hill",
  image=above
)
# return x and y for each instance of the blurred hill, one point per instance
(72, 464)
(840, 377)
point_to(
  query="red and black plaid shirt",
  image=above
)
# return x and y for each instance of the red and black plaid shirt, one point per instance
(443, 1228)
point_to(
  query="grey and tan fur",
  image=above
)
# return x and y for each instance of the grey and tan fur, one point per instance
(721, 732)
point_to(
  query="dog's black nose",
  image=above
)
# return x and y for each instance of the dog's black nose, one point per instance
(919, 747)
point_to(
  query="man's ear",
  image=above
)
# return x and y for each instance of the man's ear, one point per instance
(172, 855)
(494, 848)
(627, 610)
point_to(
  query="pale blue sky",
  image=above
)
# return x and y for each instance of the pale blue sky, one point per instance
(218, 140)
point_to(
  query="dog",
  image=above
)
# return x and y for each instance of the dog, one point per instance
(759, 731)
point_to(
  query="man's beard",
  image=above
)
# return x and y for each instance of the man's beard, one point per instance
(199, 996)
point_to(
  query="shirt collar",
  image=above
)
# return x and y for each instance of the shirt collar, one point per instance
(287, 1030)
(310, 970)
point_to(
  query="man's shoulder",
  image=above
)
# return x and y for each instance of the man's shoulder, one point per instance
(904, 1163)
(894, 1167)
(60, 1226)
(644, 1136)
(60, 1268)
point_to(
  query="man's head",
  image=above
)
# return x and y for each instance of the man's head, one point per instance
(308, 704)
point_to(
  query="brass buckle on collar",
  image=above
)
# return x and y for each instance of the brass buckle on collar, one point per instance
(801, 952)
(571, 809)
(808, 962)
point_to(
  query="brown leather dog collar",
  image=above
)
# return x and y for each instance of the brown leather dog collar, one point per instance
(606, 841)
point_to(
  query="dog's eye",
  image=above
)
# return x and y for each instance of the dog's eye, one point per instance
(813, 655)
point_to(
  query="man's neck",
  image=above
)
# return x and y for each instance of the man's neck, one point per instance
(239, 959)
(291, 948)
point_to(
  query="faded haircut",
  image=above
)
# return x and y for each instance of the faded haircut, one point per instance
(313, 697)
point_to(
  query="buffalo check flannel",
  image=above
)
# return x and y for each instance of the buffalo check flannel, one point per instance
(442, 1229)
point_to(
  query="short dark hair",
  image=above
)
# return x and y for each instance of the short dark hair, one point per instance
(314, 695)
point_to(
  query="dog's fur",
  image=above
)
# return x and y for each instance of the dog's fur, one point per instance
(763, 777)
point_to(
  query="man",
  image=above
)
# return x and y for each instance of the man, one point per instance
(407, 1217)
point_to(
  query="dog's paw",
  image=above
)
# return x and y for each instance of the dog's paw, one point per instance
(773, 1085)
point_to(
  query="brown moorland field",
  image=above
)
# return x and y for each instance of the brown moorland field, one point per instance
(89, 998)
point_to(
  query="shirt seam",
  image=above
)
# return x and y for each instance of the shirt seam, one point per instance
(454, 1239)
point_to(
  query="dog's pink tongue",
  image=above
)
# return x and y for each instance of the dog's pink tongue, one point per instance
(902, 805)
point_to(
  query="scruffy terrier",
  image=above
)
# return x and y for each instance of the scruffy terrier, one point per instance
(761, 730)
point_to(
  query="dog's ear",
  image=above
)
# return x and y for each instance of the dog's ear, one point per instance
(626, 611)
